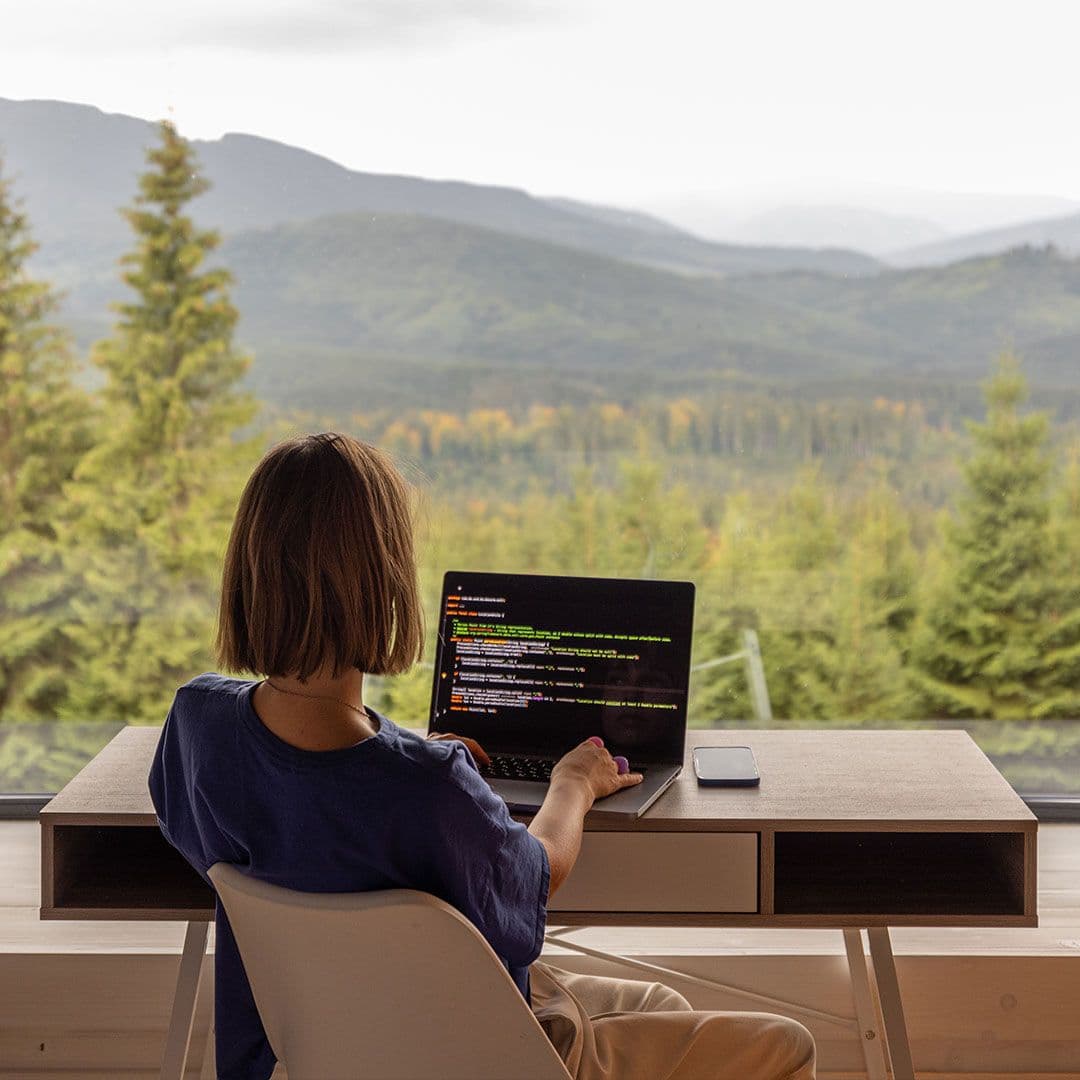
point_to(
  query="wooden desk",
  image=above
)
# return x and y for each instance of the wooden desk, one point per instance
(857, 830)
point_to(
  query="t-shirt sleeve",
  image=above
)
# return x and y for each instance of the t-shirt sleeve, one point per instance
(171, 793)
(490, 867)
(177, 777)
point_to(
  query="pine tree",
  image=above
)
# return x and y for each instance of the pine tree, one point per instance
(154, 498)
(870, 611)
(1066, 639)
(829, 595)
(1067, 517)
(775, 571)
(1000, 635)
(43, 432)
(657, 530)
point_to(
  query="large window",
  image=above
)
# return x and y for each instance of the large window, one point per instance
(762, 299)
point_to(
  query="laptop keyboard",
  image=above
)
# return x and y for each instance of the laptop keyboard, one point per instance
(511, 767)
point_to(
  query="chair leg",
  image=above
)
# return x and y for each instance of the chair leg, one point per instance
(174, 1060)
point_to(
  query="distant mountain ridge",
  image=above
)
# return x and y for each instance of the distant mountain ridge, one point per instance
(75, 165)
(1062, 233)
(847, 226)
(721, 216)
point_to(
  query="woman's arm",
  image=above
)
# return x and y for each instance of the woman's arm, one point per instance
(585, 774)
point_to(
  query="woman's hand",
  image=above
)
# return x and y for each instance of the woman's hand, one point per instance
(474, 748)
(591, 765)
(587, 773)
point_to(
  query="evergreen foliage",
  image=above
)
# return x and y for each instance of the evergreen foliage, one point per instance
(827, 587)
(1067, 517)
(1000, 632)
(152, 501)
(43, 432)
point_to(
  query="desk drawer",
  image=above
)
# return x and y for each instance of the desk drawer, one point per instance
(641, 871)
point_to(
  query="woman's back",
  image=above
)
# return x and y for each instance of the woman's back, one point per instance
(391, 811)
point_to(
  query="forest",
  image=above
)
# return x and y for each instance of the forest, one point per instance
(900, 560)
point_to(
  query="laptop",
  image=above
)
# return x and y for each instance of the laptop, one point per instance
(531, 665)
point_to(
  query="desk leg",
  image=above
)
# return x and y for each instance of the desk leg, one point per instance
(209, 1054)
(892, 1006)
(869, 1025)
(174, 1061)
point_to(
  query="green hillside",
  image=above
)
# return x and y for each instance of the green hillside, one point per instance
(431, 310)
(949, 319)
(401, 311)
(406, 288)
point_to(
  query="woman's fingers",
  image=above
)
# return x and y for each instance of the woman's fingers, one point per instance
(604, 774)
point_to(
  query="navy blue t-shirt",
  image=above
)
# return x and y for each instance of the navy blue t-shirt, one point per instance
(394, 811)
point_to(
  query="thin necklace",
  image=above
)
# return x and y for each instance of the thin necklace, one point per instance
(320, 697)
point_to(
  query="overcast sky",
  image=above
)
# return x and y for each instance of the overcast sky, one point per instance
(624, 101)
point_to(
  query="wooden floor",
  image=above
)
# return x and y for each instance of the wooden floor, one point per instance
(90, 1000)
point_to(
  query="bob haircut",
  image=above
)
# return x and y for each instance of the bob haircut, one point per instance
(320, 571)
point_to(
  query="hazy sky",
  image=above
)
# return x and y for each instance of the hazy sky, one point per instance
(625, 101)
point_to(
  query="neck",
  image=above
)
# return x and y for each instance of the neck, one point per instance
(315, 714)
(348, 686)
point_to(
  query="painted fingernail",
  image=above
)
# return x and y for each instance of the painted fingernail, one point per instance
(621, 764)
(596, 739)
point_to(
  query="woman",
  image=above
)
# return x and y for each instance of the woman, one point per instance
(295, 780)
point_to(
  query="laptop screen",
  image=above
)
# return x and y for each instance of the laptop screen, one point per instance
(534, 664)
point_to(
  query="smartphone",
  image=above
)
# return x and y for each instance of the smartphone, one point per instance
(725, 766)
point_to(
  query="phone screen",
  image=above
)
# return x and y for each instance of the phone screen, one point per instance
(733, 765)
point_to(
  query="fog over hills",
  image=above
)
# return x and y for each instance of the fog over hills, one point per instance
(1062, 233)
(723, 215)
(74, 165)
(816, 226)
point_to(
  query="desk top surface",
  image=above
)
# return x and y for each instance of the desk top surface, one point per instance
(835, 779)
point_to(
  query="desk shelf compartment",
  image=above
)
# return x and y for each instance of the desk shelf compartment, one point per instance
(900, 873)
(117, 872)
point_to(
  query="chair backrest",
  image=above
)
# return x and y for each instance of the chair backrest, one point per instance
(394, 985)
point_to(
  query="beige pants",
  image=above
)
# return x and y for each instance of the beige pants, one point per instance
(618, 1029)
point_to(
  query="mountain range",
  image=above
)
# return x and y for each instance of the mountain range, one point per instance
(452, 294)
(75, 165)
(364, 296)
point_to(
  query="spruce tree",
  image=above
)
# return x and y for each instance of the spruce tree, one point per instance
(870, 611)
(1067, 517)
(153, 500)
(829, 594)
(1000, 634)
(657, 529)
(775, 571)
(43, 433)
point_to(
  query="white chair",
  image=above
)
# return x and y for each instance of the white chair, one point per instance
(388, 985)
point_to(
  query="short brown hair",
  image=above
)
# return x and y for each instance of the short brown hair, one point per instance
(320, 570)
